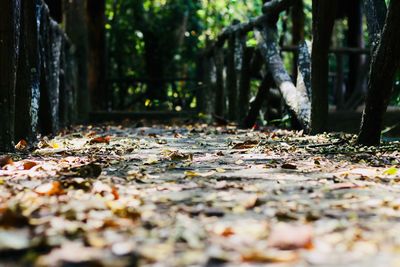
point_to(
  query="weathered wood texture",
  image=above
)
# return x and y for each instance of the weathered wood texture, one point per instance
(385, 62)
(323, 20)
(296, 99)
(28, 82)
(9, 42)
(37, 74)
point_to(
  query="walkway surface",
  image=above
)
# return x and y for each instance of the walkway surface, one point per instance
(199, 196)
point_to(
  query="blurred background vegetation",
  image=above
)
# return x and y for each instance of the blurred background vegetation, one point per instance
(153, 47)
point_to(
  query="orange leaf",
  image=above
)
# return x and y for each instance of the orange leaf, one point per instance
(49, 189)
(22, 145)
(29, 165)
(100, 140)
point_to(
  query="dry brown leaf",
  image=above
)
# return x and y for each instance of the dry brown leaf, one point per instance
(100, 140)
(22, 145)
(288, 166)
(5, 161)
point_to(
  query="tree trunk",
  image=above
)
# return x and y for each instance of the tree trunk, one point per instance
(76, 29)
(97, 53)
(323, 20)
(9, 43)
(385, 62)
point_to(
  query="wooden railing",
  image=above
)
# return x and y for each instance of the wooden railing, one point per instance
(230, 68)
(38, 74)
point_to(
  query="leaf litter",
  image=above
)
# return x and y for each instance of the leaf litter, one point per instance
(199, 195)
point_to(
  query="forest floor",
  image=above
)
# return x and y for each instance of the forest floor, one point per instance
(199, 196)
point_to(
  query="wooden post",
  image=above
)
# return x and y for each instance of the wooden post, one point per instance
(219, 86)
(76, 29)
(97, 53)
(384, 64)
(339, 82)
(50, 42)
(231, 80)
(256, 105)
(323, 20)
(244, 81)
(9, 39)
(28, 80)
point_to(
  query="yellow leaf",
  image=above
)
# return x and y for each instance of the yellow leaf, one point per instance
(390, 171)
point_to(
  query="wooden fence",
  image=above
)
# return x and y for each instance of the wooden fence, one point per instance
(38, 78)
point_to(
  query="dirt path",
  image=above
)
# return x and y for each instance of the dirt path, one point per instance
(199, 195)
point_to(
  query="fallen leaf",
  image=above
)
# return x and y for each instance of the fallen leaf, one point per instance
(391, 171)
(340, 186)
(288, 166)
(257, 255)
(100, 140)
(29, 165)
(290, 237)
(5, 160)
(22, 145)
(49, 189)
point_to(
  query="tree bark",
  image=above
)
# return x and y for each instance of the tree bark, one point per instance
(323, 12)
(385, 62)
(9, 44)
(97, 53)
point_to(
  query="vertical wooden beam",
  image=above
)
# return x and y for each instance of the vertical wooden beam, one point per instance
(219, 83)
(384, 64)
(244, 81)
(256, 105)
(97, 53)
(76, 29)
(28, 80)
(231, 79)
(9, 48)
(323, 12)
